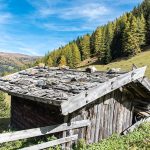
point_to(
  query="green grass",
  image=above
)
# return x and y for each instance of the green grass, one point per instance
(139, 139)
(4, 123)
(125, 64)
(28, 142)
(4, 113)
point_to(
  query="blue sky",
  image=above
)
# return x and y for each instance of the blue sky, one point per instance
(35, 27)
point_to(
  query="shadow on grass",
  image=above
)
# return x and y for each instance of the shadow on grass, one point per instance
(4, 124)
(91, 64)
(98, 62)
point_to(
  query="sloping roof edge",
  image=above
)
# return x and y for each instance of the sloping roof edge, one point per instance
(144, 81)
(84, 98)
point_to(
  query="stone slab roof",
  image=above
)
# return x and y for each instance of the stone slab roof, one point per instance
(51, 85)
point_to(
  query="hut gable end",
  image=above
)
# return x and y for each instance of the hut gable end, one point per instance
(100, 90)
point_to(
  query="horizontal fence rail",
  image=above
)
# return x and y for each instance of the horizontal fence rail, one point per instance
(52, 143)
(24, 134)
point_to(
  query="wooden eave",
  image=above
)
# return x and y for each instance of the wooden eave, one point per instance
(76, 102)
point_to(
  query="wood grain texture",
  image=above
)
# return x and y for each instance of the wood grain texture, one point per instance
(52, 143)
(106, 118)
(102, 89)
(6, 137)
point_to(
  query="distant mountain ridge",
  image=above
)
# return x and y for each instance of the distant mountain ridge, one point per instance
(15, 54)
(11, 62)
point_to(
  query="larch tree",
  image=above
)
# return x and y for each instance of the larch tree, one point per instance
(130, 38)
(98, 39)
(50, 61)
(141, 30)
(63, 61)
(134, 36)
(125, 36)
(76, 56)
(127, 50)
(69, 56)
(102, 48)
(85, 47)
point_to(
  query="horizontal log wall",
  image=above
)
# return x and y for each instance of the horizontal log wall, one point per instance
(26, 114)
(111, 113)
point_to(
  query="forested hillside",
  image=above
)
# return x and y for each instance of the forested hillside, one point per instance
(124, 37)
(12, 62)
(125, 64)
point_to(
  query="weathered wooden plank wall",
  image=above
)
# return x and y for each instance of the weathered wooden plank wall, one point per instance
(111, 113)
(26, 114)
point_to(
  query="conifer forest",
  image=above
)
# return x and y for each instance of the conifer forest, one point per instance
(124, 37)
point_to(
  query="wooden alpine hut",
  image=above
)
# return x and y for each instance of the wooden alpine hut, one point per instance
(42, 96)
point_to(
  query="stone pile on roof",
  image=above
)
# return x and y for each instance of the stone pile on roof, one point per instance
(51, 85)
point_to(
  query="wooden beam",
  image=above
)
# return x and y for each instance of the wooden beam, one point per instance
(18, 135)
(144, 81)
(33, 98)
(137, 124)
(139, 90)
(52, 143)
(86, 97)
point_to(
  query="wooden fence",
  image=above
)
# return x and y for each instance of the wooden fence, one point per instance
(24, 134)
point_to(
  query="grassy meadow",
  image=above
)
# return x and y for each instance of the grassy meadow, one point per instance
(140, 60)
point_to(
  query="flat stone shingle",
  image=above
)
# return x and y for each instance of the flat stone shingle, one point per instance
(51, 84)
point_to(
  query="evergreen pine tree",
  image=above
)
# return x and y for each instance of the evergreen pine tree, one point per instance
(124, 37)
(92, 44)
(78, 42)
(109, 33)
(148, 30)
(116, 46)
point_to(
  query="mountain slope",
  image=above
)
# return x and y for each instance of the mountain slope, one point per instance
(11, 62)
(142, 59)
(126, 36)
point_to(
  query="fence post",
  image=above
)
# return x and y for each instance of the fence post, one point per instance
(65, 133)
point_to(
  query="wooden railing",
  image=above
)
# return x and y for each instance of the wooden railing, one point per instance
(24, 134)
(52, 143)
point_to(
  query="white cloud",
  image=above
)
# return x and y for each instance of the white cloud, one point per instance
(28, 50)
(124, 2)
(66, 28)
(85, 10)
(29, 43)
(79, 16)
(5, 18)
(89, 11)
